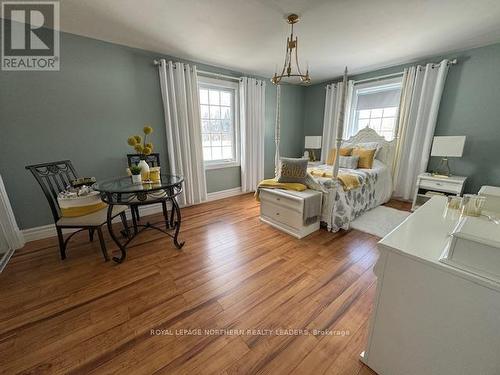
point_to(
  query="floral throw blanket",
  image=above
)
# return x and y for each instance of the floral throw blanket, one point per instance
(341, 207)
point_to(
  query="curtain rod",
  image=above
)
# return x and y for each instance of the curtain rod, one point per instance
(379, 77)
(450, 62)
(156, 62)
(218, 75)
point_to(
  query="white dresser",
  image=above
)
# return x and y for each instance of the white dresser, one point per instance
(429, 317)
(492, 194)
(284, 210)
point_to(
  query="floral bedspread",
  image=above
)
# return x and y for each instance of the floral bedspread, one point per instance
(341, 207)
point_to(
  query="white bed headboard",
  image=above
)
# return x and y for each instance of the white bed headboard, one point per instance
(386, 154)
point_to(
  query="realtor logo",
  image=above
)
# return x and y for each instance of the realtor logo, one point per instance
(30, 35)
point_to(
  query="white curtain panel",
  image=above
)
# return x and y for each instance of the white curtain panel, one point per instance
(11, 237)
(252, 119)
(331, 115)
(181, 105)
(420, 98)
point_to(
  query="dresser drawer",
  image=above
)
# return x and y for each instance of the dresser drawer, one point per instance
(281, 199)
(281, 214)
(444, 185)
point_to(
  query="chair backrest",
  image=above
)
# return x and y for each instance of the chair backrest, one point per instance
(53, 178)
(153, 159)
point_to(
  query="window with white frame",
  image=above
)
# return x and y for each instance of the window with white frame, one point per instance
(219, 122)
(376, 105)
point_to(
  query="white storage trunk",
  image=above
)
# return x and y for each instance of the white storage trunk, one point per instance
(284, 210)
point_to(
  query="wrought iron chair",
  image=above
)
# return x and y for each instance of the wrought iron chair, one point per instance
(153, 160)
(53, 178)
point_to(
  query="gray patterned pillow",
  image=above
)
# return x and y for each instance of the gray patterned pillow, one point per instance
(350, 162)
(293, 170)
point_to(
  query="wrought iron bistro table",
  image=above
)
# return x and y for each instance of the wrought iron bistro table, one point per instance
(121, 191)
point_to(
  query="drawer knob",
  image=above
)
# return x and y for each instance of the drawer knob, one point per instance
(277, 214)
(438, 183)
(278, 199)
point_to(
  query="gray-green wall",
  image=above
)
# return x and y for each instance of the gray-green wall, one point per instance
(470, 106)
(103, 93)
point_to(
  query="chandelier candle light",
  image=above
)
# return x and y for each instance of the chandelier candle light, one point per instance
(286, 72)
(291, 49)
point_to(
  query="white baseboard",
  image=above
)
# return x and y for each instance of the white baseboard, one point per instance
(216, 195)
(46, 231)
(37, 233)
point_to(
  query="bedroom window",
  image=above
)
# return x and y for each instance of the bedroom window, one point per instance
(376, 105)
(219, 122)
(382, 120)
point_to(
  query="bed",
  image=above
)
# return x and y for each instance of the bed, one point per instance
(341, 206)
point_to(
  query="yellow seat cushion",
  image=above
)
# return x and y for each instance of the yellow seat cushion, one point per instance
(366, 157)
(344, 151)
(94, 219)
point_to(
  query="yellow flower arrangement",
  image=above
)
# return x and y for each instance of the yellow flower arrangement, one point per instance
(139, 144)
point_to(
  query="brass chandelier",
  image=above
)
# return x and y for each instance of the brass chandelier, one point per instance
(291, 49)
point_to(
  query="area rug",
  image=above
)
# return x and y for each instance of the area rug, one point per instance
(379, 221)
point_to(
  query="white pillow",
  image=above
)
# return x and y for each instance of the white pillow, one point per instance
(349, 162)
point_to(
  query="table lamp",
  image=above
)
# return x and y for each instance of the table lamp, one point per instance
(312, 143)
(446, 147)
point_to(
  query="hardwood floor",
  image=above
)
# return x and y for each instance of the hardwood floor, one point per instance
(83, 315)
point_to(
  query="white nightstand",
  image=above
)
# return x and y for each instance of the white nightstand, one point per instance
(313, 164)
(428, 185)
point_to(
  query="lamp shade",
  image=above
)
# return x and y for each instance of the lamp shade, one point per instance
(313, 141)
(448, 146)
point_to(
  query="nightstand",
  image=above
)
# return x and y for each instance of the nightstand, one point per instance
(428, 186)
(313, 164)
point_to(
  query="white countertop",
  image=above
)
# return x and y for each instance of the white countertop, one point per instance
(424, 235)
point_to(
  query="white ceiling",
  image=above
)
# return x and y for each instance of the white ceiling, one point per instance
(249, 35)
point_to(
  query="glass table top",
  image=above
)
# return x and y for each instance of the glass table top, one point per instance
(125, 184)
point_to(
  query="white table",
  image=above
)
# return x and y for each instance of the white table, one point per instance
(426, 182)
(430, 318)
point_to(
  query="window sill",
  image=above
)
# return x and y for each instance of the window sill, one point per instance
(221, 165)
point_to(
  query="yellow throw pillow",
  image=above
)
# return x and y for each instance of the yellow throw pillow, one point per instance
(344, 151)
(366, 157)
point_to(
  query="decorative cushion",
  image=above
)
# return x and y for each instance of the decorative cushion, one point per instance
(344, 151)
(366, 157)
(350, 162)
(94, 219)
(292, 170)
(365, 145)
(79, 202)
